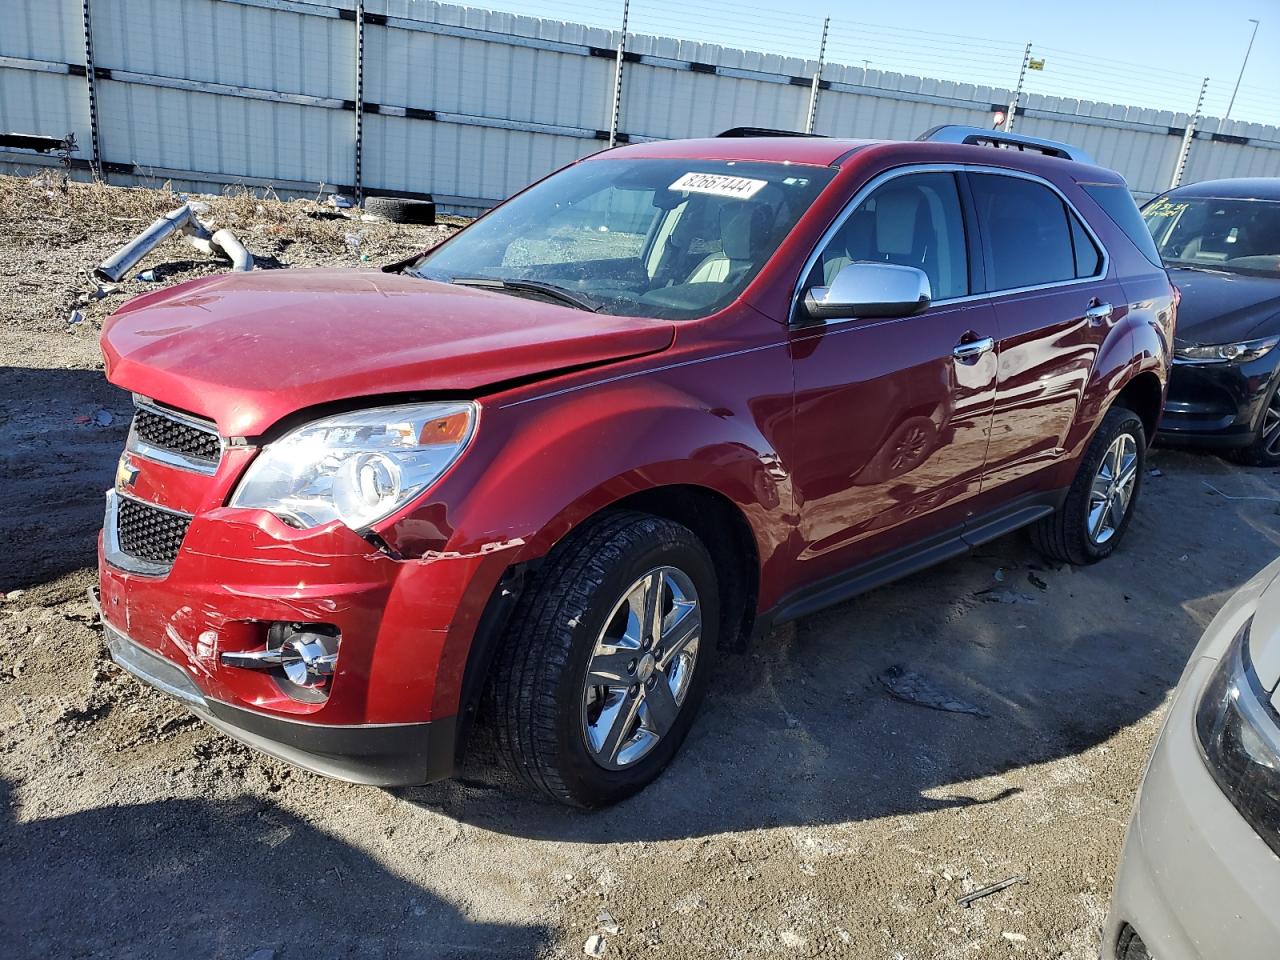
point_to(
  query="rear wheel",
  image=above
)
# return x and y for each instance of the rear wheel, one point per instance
(1099, 505)
(607, 659)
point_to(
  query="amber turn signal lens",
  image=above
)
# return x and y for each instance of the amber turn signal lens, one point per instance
(451, 429)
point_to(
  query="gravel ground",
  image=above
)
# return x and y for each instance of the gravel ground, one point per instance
(810, 813)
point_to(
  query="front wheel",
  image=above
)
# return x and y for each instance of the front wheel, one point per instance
(1264, 449)
(1099, 505)
(606, 660)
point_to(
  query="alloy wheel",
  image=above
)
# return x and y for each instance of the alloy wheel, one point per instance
(910, 448)
(1271, 426)
(641, 668)
(1112, 490)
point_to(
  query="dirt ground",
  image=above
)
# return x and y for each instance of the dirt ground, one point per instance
(809, 813)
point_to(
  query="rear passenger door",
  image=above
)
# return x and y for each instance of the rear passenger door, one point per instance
(1046, 273)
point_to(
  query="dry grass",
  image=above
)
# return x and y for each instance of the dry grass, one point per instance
(53, 231)
(307, 221)
(49, 209)
(317, 224)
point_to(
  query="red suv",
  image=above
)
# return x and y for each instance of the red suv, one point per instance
(654, 404)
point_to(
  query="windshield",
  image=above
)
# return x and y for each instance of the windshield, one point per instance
(674, 239)
(1238, 236)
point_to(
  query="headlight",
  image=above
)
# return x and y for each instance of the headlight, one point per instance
(1241, 352)
(1239, 738)
(356, 467)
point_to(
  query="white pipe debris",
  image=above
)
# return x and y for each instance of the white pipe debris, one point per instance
(226, 241)
(183, 219)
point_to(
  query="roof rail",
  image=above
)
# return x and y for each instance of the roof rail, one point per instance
(955, 133)
(763, 132)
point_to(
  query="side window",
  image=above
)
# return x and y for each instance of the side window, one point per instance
(914, 220)
(1088, 259)
(1028, 233)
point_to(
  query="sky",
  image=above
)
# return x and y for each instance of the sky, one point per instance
(1142, 53)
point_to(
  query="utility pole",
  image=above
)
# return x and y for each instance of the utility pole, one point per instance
(817, 78)
(617, 76)
(1017, 93)
(1248, 50)
(95, 145)
(359, 184)
(1184, 153)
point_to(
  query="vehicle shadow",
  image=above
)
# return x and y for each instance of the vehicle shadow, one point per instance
(207, 878)
(802, 730)
(61, 432)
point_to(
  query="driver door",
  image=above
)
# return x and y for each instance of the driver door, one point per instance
(892, 415)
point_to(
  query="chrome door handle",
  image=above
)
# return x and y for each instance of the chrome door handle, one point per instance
(970, 350)
(1099, 313)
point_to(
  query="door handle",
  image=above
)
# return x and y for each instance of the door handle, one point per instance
(968, 351)
(1099, 313)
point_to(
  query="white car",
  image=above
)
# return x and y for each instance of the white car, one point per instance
(1200, 873)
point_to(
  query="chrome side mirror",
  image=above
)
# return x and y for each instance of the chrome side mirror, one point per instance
(865, 289)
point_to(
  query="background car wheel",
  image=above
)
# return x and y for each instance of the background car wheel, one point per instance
(1100, 503)
(910, 444)
(402, 210)
(1264, 451)
(607, 658)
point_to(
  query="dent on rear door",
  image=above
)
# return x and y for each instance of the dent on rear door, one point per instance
(1048, 350)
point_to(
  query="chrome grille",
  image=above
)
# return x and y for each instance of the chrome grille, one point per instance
(175, 438)
(148, 533)
(160, 431)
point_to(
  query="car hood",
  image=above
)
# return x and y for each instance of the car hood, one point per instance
(247, 349)
(1225, 307)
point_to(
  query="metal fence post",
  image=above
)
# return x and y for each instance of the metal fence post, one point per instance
(817, 79)
(1184, 152)
(1017, 93)
(95, 146)
(617, 77)
(359, 184)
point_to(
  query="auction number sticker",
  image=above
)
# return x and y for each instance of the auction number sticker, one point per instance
(718, 185)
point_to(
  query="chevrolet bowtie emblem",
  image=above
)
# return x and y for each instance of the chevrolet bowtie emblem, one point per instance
(126, 474)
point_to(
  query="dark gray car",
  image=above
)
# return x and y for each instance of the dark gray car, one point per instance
(1220, 241)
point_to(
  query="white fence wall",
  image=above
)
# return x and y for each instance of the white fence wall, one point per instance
(469, 105)
(35, 100)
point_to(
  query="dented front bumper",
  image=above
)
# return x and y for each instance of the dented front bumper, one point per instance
(406, 628)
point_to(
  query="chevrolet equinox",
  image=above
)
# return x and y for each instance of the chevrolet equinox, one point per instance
(540, 476)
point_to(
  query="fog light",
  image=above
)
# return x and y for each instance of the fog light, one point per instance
(302, 656)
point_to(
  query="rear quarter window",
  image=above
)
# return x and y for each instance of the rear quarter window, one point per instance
(1118, 203)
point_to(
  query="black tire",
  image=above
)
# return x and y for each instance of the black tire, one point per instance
(1064, 536)
(534, 699)
(402, 210)
(1264, 449)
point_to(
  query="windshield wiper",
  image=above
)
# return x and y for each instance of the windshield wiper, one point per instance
(569, 297)
(1197, 267)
